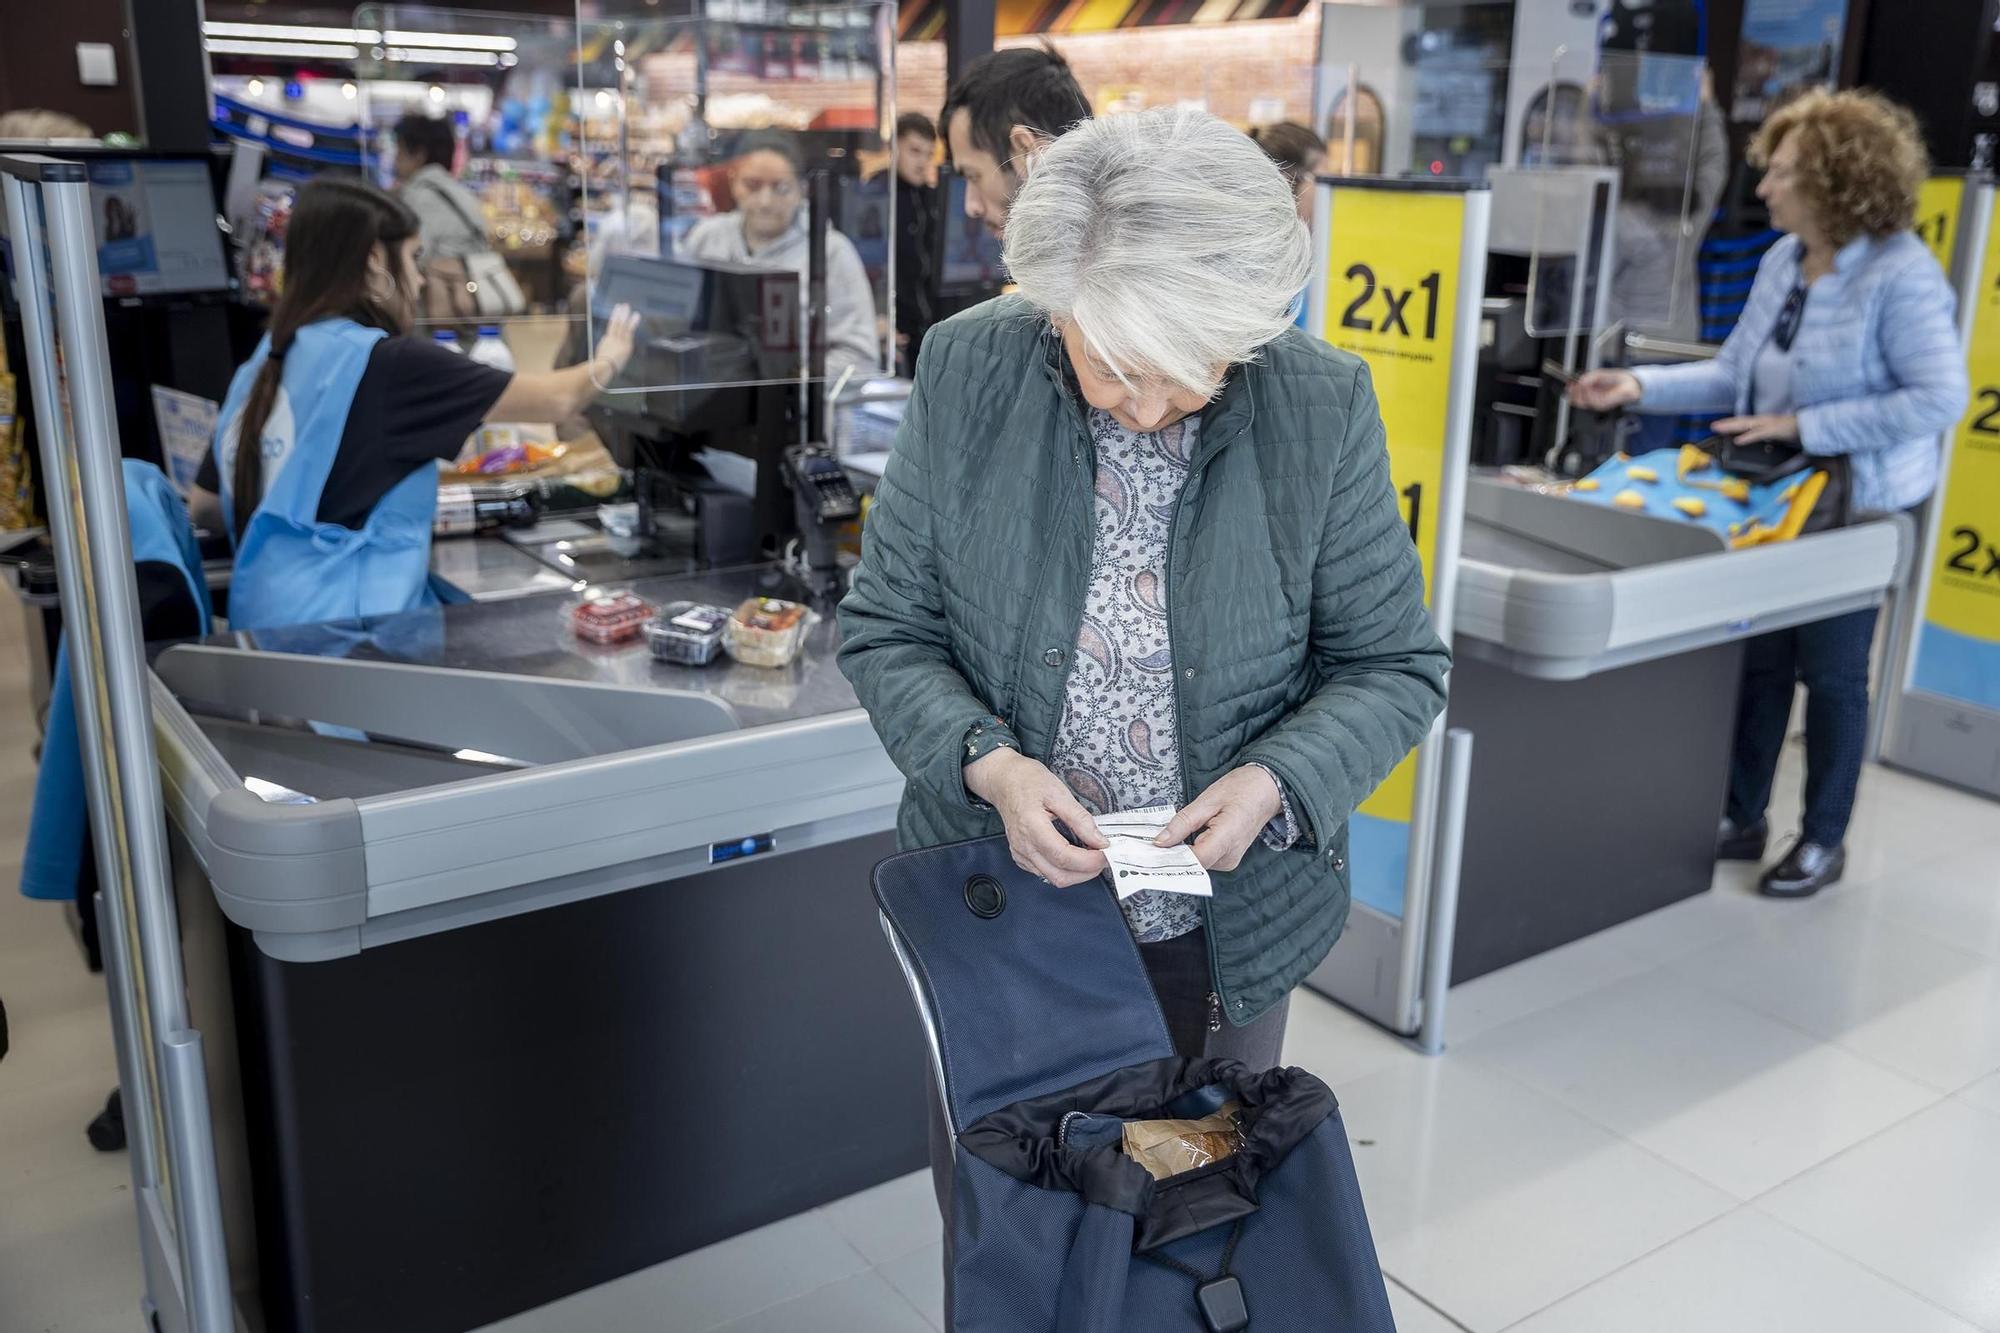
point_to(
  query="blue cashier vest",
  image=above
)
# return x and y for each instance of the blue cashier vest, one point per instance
(292, 569)
(53, 858)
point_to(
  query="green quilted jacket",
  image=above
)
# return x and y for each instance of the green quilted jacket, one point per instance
(1294, 604)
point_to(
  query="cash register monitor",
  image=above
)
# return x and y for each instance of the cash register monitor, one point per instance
(967, 262)
(711, 397)
(702, 328)
(157, 228)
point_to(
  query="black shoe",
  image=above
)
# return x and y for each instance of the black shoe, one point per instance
(1806, 869)
(107, 1132)
(1741, 844)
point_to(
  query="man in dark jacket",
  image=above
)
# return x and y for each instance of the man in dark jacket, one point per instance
(1003, 109)
(916, 234)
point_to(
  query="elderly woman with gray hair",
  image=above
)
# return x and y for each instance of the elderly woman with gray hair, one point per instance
(1137, 546)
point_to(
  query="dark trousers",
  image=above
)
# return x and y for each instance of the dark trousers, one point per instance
(1178, 969)
(1830, 657)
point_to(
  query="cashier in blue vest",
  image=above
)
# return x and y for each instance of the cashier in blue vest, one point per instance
(331, 514)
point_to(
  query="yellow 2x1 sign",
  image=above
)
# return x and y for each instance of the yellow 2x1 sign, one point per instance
(1391, 296)
(1958, 644)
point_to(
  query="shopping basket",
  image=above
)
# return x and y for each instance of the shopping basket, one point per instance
(1045, 1039)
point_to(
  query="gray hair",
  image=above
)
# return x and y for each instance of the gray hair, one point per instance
(1168, 239)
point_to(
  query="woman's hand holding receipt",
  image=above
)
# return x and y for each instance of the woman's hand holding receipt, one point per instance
(1032, 802)
(1225, 819)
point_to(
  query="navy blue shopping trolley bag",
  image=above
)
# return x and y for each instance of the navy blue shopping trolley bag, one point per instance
(1046, 1041)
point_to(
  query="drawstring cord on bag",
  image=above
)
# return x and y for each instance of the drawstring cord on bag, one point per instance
(1219, 1298)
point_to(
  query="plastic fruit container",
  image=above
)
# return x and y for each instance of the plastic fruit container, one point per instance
(767, 632)
(687, 633)
(610, 616)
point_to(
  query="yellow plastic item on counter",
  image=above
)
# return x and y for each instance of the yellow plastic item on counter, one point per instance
(1629, 499)
(1694, 459)
(1586, 484)
(1642, 474)
(1691, 505)
(1737, 489)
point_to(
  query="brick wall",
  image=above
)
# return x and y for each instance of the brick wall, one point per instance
(1246, 73)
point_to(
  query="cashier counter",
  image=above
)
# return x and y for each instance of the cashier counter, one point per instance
(1597, 654)
(522, 962)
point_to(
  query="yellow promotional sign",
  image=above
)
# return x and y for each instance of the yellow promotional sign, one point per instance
(1958, 641)
(1392, 274)
(1938, 202)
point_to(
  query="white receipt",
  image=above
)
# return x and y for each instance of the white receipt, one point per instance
(1137, 864)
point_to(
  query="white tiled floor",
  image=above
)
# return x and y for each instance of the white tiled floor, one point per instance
(1731, 1116)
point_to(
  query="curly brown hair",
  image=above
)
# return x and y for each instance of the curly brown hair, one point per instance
(1861, 160)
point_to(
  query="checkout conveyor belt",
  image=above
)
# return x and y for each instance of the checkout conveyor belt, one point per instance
(564, 769)
(1561, 590)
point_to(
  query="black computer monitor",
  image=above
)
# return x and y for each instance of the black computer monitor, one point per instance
(157, 219)
(716, 368)
(701, 325)
(967, 262)
(157, 225)
(862, 211)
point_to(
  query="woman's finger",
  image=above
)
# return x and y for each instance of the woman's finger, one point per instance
(1047, 845)
(1193, 817)
(1731, 425)
(1060, 876)
(1077, 820)
(1219, 848)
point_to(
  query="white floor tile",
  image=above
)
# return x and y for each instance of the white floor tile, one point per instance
(1984, 1094)
(919, 1275)
(69, 1253)
(889, 1220)
(1336, 1044)
(1731, 910)
(1745, 1273)
(1879, 989)
(1535, 984)
(1915, 1204)
(730, 1280)
(1741, 1100)
(1494, 1201)
(864, 1303)
(1955, 899)
(1413, 1316)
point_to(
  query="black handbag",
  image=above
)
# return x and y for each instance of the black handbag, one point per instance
(1767, 461)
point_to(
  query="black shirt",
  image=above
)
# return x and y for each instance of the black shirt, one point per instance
(415, 404)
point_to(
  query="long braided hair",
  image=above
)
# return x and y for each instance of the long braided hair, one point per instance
(335, 227)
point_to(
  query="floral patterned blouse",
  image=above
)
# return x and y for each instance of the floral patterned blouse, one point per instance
(1117, 743)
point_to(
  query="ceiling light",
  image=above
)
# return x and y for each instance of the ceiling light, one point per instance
(296, 32)
(284, 32)
(411, 56)
(461, 41)
(295, 50)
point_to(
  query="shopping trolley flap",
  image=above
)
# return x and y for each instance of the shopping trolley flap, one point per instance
(1024, 989)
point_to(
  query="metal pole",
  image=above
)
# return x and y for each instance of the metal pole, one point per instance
(135, 1072)
(1450, 847)
(101, 487)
